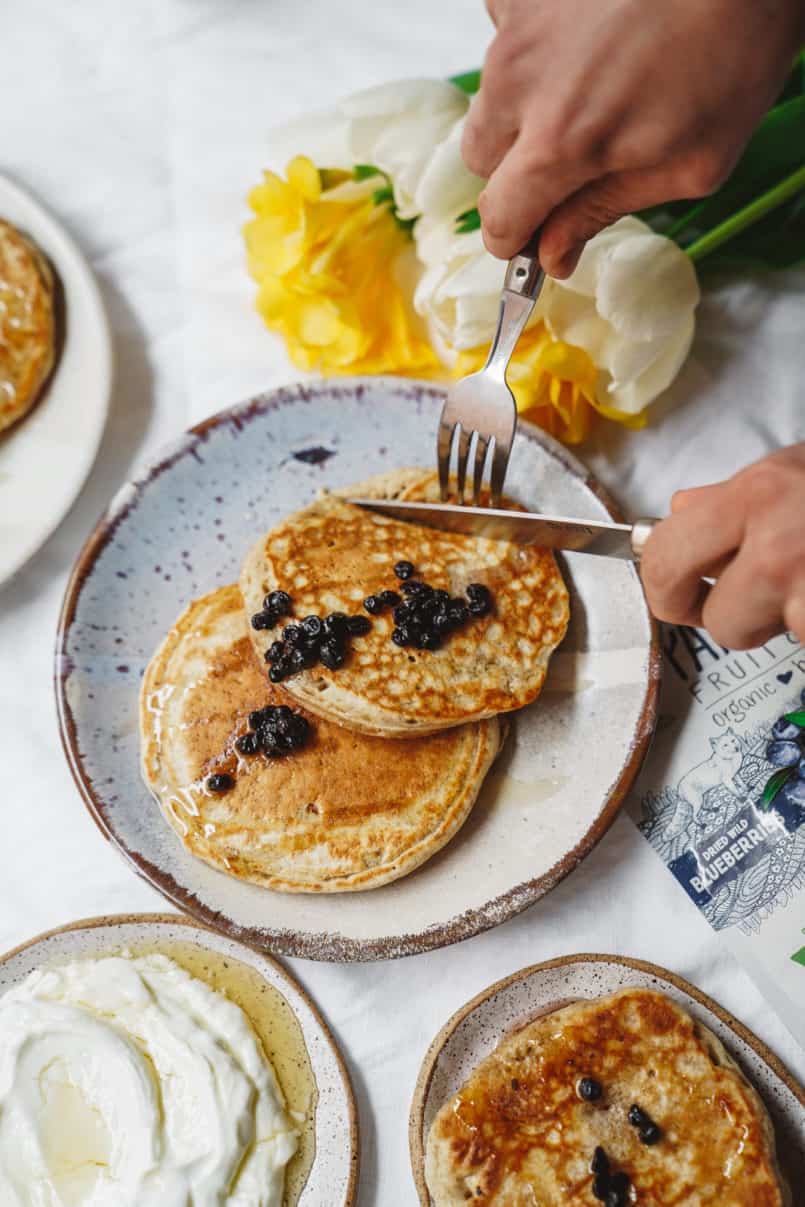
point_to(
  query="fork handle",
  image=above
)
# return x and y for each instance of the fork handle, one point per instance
(521, 287)
(524, 274)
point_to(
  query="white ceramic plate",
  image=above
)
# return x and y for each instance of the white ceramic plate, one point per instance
(46, 457)
(477, 1028)
(183, 528)
(333, 1175)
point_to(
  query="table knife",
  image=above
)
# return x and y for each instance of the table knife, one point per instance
(603, 537)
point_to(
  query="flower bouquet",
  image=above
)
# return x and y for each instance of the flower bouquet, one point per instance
(368, 257)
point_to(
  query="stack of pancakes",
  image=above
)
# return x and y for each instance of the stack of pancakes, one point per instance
(400, 738)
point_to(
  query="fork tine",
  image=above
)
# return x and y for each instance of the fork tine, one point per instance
(464, 439)
(444, 445)
(500, 461)
(481, 448)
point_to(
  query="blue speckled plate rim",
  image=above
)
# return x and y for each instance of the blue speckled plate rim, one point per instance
(428, 1067)
(326, 945)
(108, 921)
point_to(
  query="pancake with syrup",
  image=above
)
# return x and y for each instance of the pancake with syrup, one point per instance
(343, 812)
(27, 324)
(331, 555)
(665, 1116)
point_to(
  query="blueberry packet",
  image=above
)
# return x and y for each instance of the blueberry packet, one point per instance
(721, 799)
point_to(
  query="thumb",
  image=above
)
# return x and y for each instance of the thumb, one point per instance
(596, 206)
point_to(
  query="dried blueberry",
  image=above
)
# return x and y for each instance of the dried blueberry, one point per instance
(589, 1089)
(429, 640)
(373, 605)
(293, 634)
(600, 1187)
(248, 743)
(600, 1161)
(404, 569)
(358, 626)
(402, 613)
(478, 591)
(458, 611)
(480, 607)
(332, 654)
(312, 626)
(389, 599)
(278, 671)
(441, 599)
(264, 620)
(616, 1198)
(279, 602)
(650, 1134)
(413, 587)
(335, 624)
(400, 636)
(275, 651)
(637, 1116)
(220, 782)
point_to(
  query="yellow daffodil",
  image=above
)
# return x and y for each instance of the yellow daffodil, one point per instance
(329, 257)
(554, 384)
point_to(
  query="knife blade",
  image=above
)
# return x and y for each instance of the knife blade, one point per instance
(602, 537)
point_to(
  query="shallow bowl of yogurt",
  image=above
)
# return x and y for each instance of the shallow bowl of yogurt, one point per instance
(147, 1061)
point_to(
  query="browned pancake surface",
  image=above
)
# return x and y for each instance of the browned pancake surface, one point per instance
(517, 1133)
(345, 812)
(331, 555)
(26, 324)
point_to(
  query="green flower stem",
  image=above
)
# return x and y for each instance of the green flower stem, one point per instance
(747, 216)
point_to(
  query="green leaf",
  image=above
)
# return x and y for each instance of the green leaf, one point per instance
(468, 81)
(362, 171)
(787, 192)
(773, 785)
(470, 220)
(776, 243)
(384, 194)
(796, 718)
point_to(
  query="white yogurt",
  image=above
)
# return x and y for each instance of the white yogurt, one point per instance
(126, 1082)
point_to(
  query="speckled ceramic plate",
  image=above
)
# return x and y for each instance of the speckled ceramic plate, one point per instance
(477, 1028)
(182, 529)
(45, 458)
(333, 1175)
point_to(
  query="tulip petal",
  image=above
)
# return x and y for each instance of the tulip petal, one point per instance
(447, 188)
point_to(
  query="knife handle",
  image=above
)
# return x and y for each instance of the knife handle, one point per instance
(641, 531)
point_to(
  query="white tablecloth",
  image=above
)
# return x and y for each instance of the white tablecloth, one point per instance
(142, 126)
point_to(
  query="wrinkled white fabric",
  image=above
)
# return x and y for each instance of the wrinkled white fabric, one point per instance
(143, 127)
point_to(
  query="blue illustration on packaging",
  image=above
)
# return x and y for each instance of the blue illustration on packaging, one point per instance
(732, 829)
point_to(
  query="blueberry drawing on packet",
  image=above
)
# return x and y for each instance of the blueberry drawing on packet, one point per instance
(732, 828)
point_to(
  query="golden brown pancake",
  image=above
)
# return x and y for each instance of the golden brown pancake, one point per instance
(345, 812)
(26, 324)
(518, 1132)
(331, 555)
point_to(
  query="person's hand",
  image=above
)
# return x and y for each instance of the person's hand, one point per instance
(592, 109)
(748, 533)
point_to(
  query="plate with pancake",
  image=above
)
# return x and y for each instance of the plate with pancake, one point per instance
(330, 733)
(596, 1078)
(55, 374)
(189, 1066)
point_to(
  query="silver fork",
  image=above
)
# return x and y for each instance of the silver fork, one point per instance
(480, 408)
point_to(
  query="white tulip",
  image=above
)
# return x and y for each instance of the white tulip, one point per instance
(459, 290)
(629, 304)
(400, 128)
